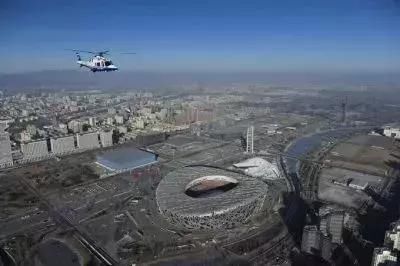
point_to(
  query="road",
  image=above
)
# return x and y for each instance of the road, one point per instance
(84, 238)
(26, 222)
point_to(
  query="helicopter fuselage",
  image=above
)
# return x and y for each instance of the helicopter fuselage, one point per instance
(98, 64)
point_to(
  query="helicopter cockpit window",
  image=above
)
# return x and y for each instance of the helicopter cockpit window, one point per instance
(108, 63)
(98, 64)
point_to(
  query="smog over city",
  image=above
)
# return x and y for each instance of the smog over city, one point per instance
(220, 132)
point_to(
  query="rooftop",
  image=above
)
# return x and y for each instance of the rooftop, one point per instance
(125, 158)
(171, 190)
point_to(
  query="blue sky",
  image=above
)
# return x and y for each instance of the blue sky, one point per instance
(204, 35)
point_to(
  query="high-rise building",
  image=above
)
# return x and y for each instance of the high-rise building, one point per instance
(311, 240)
(162, 115)
(106, 138)
(75, 126)
(24, 136)
(326, 247)
(111, 111)
(250, 140)
(392, 237)
(62, 145)
(24, 112)
(145, 110)
(92, 100)
(205, 115)
(92, 121)
(5, 149)
(383, 257)
(88, 141)
(34, 150)
(119, 119)
(344, 105)
(315, 243)
(140, 123)
(109, 120)
(31, 129)
(332, 225)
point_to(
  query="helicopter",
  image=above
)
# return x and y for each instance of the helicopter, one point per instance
(98, 63)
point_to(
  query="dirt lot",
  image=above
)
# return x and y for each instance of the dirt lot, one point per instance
(369, 154)
(14, 198)
(52, 175)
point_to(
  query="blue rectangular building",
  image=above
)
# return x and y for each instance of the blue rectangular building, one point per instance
(125, 159)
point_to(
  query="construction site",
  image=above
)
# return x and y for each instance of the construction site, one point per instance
(354, 180)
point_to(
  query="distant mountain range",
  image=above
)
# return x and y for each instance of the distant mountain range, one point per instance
(82, 79)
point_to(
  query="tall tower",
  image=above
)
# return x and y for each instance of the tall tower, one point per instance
(250, 140)
(170, 115)
(344, 105)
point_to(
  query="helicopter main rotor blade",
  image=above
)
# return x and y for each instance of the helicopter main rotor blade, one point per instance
(89, 52)
(102, 53)
(81, 51)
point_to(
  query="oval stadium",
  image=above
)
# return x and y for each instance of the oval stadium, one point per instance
(203, 197)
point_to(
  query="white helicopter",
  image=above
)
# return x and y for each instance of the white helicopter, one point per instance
(98, 63)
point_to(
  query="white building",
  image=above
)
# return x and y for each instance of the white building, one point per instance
(119, 119)
(111, 111)
(75, 126)
(383, 256)
(88, 141)
(62, 128)
(5, 150)
(392, 237)
(73, 108)
(122, 129)
(5, 122)
(24, 112)
(162, 115)
(151, 117)
(106, 138)
(145, 110)
(24, 136)
(35, 150)
(140, 124)
(63, 145)
(92, 100)
(109, 120)
(259, 167)
(92, 121)
(311, 240)
(393, 132)
(31, 129)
